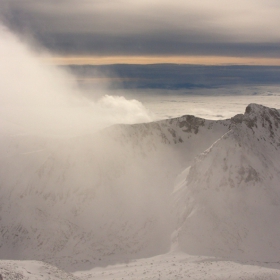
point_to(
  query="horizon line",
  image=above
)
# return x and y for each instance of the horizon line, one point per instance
(146, 60)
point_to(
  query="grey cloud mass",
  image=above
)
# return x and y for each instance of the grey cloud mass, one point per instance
(124, 27)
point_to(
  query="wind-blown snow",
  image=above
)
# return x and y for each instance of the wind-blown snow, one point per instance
(44, 99)
(119, 179)
(184, 186)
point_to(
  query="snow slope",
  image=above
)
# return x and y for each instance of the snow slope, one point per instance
(93, 199)
(167, 266)
(189, 185)
(32, 270)
(182, 266)
(229, 204)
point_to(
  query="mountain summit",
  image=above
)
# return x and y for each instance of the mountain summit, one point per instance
(230, 201)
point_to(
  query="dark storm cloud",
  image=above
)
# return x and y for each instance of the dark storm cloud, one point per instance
(153, 45)
(202, 27)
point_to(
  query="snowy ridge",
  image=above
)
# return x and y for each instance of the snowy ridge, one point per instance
(230, 202)
(132, 191)
(84, 199)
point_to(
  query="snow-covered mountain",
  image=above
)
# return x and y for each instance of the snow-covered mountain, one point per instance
(129, 191)
(98, 196)
(229, 204)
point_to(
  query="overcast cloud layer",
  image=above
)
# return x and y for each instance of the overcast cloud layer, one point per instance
(129, 27)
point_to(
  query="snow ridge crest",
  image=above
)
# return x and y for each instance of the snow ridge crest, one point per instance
(234, 191)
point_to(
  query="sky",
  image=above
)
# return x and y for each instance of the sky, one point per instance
(129, 31)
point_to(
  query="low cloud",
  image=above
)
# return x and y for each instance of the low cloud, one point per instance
(37, 98)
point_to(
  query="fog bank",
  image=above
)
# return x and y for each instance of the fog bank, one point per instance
(39, 98)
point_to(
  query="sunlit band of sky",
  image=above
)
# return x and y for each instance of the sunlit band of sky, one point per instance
(209, 32)
(194, 60)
